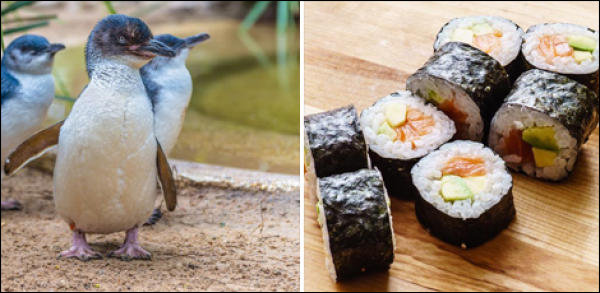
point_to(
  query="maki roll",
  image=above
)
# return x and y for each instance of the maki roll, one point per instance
(466, 84)
(497, 36)
(354, 214)
(563, 48)
(399, 130)
(465, 193)
(335, 141)
(543, 123)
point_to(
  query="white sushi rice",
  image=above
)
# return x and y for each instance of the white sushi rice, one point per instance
(513, 116)
(427, 177)
(372, 117)
(510, 40)
(564, 65)
(473, 126)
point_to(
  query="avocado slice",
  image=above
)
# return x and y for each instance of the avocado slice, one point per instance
(543, 158)
(455, 188)
(433, 96)
(482, 29)
(581, 56)
(582, 43)
(541, 137)
(476, 183)
(386, 130)
(462, 35)
(395, 114)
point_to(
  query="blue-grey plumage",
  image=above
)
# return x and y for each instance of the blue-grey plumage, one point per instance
(27, 91)
(106, 166)
(169, 86)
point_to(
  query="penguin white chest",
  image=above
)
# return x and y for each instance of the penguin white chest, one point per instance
(105, 173)
(23, 115)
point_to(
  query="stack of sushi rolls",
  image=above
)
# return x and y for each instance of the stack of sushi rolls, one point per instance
(465, 83)
(567, 49)
(497, 36)
(399, 130)
(355, 218)
(465, 193)
(353, 206)
(543, 123)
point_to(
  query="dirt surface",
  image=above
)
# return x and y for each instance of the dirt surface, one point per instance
(216, 240)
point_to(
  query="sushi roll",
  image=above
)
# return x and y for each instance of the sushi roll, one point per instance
(497, 36)
(399, 130)
(466, 84)
(563, 48)
(465, 193)
(543, 123)
(355, 218)
(335, 141)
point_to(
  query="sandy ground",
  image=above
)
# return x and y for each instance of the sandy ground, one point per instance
(216, 240)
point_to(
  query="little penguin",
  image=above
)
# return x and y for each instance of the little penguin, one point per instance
(108, 156)
(169, 86)
(27, 92)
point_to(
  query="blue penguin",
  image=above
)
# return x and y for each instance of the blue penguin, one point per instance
(27, 91)
(169, 86)
(108, 156)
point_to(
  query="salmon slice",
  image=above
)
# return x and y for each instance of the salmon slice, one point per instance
(488, 42)
(459, 117)
(553, 46)
(417, 124)
(514, 145)
(464, 167)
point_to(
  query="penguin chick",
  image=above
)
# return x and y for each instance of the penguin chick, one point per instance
(106, 166)
(27, 92)
(169, 86)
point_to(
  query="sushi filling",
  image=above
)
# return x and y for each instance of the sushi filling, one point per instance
(462, 179)
(562, 48)
(498, 37)
(533, 143)
(455, 103)
(402, 126)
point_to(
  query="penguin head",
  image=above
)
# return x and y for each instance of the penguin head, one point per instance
(180, 46)
(123, 39)
(30, 54)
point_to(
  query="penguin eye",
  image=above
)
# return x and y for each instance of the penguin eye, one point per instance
(122, 40)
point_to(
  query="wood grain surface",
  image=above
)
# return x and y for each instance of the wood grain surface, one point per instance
(359, 52)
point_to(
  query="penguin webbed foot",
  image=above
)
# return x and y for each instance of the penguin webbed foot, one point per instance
(11, 205)
(131, 249)
(80, 250)
(154, 218)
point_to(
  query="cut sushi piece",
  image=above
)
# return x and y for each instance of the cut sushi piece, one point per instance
(466, 84)
(395, 149)
(335, 141)
(545, 113)
(496, 36)
(354, 213)
(563, 48)
(463, 210)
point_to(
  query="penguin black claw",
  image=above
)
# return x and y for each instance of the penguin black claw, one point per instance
(154, 218)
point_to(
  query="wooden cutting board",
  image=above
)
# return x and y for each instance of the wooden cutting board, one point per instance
(359, 52)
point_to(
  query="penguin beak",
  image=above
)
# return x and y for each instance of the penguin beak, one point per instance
(53, 48)
(152, 49)
(192, 41)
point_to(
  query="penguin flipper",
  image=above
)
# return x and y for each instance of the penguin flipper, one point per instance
(165, 177)
(32, 148)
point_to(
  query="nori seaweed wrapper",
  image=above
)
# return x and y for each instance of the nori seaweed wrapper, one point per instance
(470, 232)
(514, 68)
(588, 79)
(336, 141)
(474, 71)
(570, 103)
(358, 223)
(396, 175)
